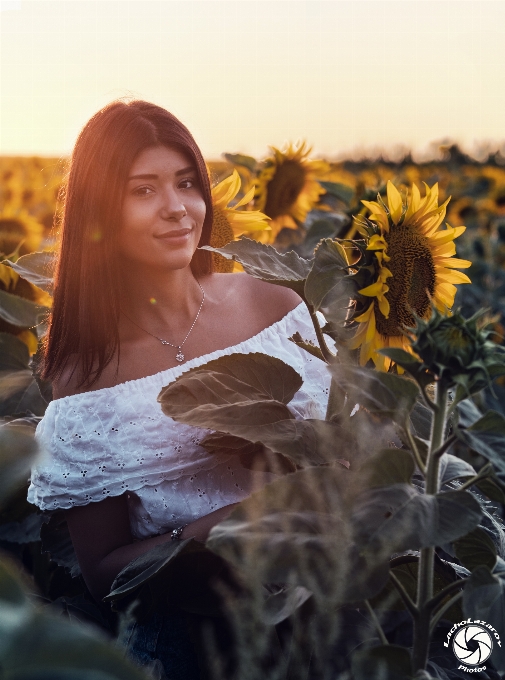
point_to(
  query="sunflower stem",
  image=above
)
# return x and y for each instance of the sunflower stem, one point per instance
(486, 471)
(409, 604)
(442, 449)
(443, 609)
(376, 623)
(415, 450)
(422, 625)
(328, 355)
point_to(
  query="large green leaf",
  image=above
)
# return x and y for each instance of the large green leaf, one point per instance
(19, 312)
(36, 268)
(19, 392)
(14, 354)
(387, 467)
(476, 549)
(341, 191)
(245, 395)
(329, 287)
(381, 393)
(24, 401)
(452, 467)
(420, 420)
(409, 363)
(235, 378)
(18, 452)
(264, 262)
(398, 518)
(484, 600)
(468, 413)
(487, 437)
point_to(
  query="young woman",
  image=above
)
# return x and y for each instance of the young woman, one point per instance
(135, 305)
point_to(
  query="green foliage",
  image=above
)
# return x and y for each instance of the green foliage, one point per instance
(334, 531)
(265, 263)
(36, 268)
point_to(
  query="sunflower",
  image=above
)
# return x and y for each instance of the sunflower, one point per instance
(229, 223)
(414, 268)
(287, 187)
(20, 233)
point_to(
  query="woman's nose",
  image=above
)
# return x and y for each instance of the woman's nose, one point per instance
(172, 208)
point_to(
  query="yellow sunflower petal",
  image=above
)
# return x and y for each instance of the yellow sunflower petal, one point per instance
(226, 190)
(394, 202)
(454, 263)
(452, 276)
(414, 203)
(373, 290)
(245, 199)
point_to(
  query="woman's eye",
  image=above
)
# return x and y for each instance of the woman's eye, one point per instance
(188, 183)
(142, 191)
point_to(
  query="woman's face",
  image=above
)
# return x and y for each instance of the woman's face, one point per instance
(163, 210)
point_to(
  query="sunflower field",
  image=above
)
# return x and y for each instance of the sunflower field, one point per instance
(361, 558)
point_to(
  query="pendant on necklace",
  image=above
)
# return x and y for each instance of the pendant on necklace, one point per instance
(179, 356)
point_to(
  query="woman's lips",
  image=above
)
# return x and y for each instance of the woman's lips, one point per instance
(174, 234)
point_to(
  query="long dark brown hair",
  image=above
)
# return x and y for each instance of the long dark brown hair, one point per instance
(85, 314)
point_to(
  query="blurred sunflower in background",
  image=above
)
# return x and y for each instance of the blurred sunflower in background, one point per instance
(229, 223)
(413, 265)
(286, 188)
(20, 232)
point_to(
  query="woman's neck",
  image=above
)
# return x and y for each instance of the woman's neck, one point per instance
(157, 302)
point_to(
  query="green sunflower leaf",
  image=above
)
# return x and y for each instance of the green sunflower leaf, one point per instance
(329, 287)
(19, 312)
(398, 518)
(264, 262)
(36, 268)
(14, 354)
(409, 363)
(476, 549)
(18, 452)
(385, 394)
(341, 191)
(240, 159)
(307, 345)
(245, 395)
(487, 437)
(387, 467)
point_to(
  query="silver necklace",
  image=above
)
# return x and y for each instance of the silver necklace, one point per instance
(179, 356)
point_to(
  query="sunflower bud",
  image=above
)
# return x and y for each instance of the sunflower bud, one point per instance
(457, 351)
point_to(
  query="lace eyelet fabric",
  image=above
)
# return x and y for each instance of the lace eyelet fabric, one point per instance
(116, 440)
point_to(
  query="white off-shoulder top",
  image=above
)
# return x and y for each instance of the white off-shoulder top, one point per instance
(115, 440)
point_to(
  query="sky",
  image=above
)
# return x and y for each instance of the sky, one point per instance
(350, 77)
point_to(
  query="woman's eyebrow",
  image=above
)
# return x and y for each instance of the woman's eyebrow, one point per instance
(183, 171)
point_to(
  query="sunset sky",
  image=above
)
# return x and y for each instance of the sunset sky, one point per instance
(241, 74)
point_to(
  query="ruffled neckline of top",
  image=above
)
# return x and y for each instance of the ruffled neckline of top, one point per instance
(168, 375)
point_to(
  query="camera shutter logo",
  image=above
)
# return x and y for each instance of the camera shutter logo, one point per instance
(472, 645)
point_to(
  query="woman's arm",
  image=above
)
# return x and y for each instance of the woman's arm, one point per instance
(104, 545)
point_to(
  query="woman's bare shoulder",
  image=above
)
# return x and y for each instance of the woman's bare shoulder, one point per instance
(270, 301)
(69, 382)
